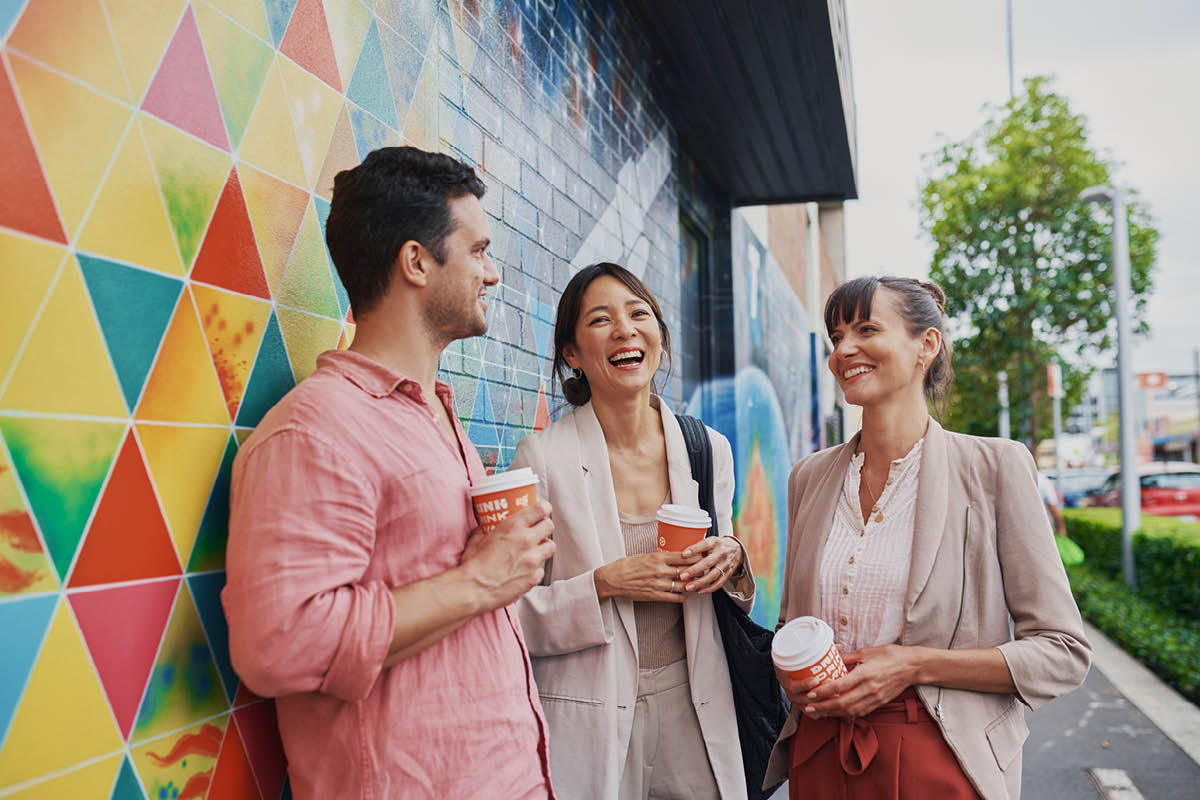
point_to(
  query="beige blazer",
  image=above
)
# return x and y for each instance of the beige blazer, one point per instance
(584, 652)
(982, 559)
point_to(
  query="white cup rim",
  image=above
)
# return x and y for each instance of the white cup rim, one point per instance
(684, 516)
(802, 642)
(513, 478)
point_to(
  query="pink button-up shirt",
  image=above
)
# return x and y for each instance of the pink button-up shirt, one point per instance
(350, 487)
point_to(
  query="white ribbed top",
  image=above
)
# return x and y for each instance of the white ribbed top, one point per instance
(864, 568)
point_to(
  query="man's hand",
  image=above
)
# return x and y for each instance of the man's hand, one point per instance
(509, 561)
(646, 577)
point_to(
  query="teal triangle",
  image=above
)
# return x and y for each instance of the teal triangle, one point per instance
(323, 215)
(24, 624)
(134, 307)
(270, 380)
(9, 11)
(279, 14)
(369, 86)
(482, 430)
(206, 591)
(127, 787)
(208, 553)
(62, 463)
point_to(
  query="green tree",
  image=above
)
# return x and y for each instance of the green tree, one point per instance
(1024, 263)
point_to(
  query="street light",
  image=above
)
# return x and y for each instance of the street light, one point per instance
(1131, 493)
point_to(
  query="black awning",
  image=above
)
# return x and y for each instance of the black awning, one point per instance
(760, 93)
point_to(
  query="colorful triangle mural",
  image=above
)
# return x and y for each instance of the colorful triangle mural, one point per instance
(306, 337)
(25, 567)
(142, 29)
(341, 155)
(180, 764)
(24, 623)
(209, 550)
(182, 92)
(308, 280)
(339, 289)
(307, 42)
(22, 290)
(314, 108)
(279, 13)
(260, 734)
(276, 210)
(25, 202)
(233, 777)
(270, 140)
(234, 326)
(72, 36)
(122, 627)
(271, 379)
(80, 781)
(134, 307)
(62, 464)
(206, 593)
(348, 21)
(229, 257)
(369, 87)
(239, 62)
(128, 787)
(128, 538)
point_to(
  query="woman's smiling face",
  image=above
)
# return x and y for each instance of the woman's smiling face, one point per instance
(618, 342)
(876, 358)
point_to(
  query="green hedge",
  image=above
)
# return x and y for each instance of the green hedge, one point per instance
(1166, 555)
(1164, 641)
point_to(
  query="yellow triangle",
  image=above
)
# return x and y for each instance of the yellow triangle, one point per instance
(183, 464)
(30, 267)
(184, 687)
(308, 282)
(348, 23)
(270, 141)
(76, 131)
(183, 386)
(129, 221)
(420, 121)
(234, 325)
(142, 29)
(348, 330)
(65, 368)
(71, 35)
(92, 782)
(24, 565)
(306, 337)
(162, 775)
(191, 175)
(276, 211)
(314, 108)
(250, 15)
(242, 435)
(63, 717)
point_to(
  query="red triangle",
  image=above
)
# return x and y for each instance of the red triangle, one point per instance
(229, 256)
(307, 42)
(541, 419)
(128, 539)
(122, 627)
(245, 697)
(260, 733)
(232, 777)
(25, 201)
(182, 92)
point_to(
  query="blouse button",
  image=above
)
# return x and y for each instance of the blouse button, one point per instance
(851, 559)
(843, 621)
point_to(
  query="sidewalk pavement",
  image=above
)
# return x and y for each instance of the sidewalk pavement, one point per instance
(1124, 735)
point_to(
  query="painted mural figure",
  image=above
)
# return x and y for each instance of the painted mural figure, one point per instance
(916, 545)
(646, 711)
(360, 593)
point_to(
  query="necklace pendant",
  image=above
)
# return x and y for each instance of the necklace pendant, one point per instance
(878, 516)
(875, 507)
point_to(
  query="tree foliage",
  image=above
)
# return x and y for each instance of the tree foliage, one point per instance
(1024, 262)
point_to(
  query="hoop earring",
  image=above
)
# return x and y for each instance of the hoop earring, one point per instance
(578, 373)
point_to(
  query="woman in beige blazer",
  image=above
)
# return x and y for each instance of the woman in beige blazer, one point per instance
(626, 652)
(918, 546)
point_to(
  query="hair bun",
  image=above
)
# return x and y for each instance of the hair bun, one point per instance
(938, 295)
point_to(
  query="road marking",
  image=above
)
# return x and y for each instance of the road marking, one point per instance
(1114, 784)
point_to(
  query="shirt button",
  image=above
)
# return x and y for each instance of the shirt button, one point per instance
(845, 590)
(843, 621)
(851, 559)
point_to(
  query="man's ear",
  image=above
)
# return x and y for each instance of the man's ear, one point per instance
(413, 263)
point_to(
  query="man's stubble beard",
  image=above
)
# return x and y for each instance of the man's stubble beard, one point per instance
(447, 321)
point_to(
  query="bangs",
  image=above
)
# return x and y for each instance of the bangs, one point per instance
(850, 301)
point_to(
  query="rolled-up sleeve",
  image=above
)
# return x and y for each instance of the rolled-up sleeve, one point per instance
(301, 534)
(1050, 654)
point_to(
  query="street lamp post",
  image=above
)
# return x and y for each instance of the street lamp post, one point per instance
(1002, 396)
(1131, 493)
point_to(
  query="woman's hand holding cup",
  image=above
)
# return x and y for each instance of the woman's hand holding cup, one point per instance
(646, 577)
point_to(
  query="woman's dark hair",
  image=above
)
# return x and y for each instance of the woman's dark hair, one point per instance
(575, 387)
(922, 305)
(396, 195)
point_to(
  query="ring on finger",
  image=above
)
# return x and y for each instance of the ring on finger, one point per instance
(673, 586)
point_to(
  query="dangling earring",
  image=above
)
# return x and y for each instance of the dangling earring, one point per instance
(578, 373)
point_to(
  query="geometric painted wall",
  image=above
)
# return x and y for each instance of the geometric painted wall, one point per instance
(164, 280)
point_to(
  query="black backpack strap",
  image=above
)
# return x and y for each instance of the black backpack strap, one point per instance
(700, 454)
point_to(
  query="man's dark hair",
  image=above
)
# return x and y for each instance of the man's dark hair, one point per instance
(396, 195)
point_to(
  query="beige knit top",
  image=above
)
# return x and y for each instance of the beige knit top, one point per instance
(659, 625)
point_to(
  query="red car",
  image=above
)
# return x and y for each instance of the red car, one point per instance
(1169, 489)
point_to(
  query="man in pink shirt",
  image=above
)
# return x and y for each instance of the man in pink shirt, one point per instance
(361, 594)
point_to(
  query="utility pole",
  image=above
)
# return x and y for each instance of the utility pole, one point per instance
(1002, 395)
(1056, 392)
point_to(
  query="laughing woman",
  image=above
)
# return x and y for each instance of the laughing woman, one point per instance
(918, 546)
(626, 652)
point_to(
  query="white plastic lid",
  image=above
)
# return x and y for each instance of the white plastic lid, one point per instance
(801, 643)
(503, 480)
(684, 516)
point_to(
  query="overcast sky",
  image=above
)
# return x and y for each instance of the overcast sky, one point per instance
(924, 68)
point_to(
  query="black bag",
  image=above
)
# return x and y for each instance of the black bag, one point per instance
(759, 702)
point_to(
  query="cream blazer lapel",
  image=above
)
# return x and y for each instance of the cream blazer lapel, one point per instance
(815, 520)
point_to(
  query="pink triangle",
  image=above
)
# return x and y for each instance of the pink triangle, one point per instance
(182, 92)
(122, 627)
(260, 735)
(307, 42)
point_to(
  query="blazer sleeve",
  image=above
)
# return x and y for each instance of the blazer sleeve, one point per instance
(1049, 654)
(743, 589)
(558, 616)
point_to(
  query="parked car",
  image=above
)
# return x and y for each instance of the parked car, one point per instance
(1074, 485)
(1169, 488)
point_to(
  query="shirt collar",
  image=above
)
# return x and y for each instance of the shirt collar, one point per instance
(374, 378)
